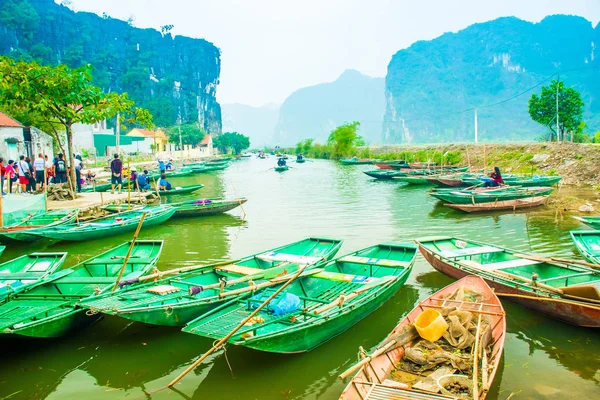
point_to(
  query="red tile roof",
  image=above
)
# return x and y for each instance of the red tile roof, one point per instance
(207, 139)
(6, 121)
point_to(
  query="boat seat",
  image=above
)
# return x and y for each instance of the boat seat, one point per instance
(374, 261)
(291, 258)
(469, 251)
(163, 289)
(132, 260)
(239, 269)
(87, 280)
(519, 262)
(588, 290)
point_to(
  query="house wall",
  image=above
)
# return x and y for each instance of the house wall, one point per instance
(83, 135)
(15, 146)
(142, 146)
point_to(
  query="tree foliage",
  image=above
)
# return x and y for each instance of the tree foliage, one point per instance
(190, 134)
(57, 97)
(304, 146)
(542, 109)
(344, 139)
(231, 140)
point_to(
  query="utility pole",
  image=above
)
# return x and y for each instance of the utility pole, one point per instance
(557, 124)
(118, 133)
(476, 133)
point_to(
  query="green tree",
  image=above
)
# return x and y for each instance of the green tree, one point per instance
(542, 109)
(57, 97)
(190, 134)
(343, 139)
(304, 146)
(231, 140)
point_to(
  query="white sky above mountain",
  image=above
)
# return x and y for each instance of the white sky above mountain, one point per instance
(272, 47)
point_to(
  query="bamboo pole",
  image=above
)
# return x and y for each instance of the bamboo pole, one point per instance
(239, 200)
(135, 235)
(468, 158)
(484, 161)
(128, 186)
(564, 301)
(237, 328)
(176, 271)
(475, 362)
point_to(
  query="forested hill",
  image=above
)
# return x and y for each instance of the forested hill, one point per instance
(313, 112)
(431, 82)
(165, 74)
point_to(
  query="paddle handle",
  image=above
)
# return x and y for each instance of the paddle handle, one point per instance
(367, 360)
(126, 260)
(237, 328)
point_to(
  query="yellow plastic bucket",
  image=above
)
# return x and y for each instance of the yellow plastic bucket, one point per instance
(431, 325)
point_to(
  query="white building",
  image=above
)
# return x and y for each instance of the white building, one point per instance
(17, 140)
(83, 135)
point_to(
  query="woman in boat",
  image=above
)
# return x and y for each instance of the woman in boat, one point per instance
(143, 182)
(494, 180)
(169, 165)
(281, 162)
(163, 184)
(299, 157)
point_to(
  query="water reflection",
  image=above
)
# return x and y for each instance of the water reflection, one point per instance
(117, 359)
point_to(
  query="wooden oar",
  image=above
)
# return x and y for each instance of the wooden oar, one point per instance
(237, 328)
(135, 235)
(405, 336)
(557, 260)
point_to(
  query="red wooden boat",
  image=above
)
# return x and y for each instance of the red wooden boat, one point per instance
(373, 380)
(563, 290)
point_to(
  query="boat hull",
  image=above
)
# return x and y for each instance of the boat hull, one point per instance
(168, 316)
(281, 169)
(58, 326)
(505, 205)
(303, 340)
(575, 313)
(200, 211)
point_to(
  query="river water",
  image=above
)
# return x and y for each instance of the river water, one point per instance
(114, 358)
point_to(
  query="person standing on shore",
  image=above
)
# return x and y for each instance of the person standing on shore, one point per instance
(49, 170)
(9, 173)
(24, 174)
(38, 167)
(2, 173)
(60, 169)
(78, 165)
(116, 169)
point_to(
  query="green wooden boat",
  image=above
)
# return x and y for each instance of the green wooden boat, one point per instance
(486, 195)
(214, 167)
(50, 308)
(180, 190)
(98, 187)
(588, 244)
(593, 221)
(18, 274)
(384, 174)
(23, 231)
(219, 162)
(357, 161)
(155, 175)
(562, 290)
(119, 208)
(324, 302)
(281, 169)
(205, 207)
(516, 180)
(414, 179)
(111, 225)
(178, 299)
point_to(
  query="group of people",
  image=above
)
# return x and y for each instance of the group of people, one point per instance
(29, 176)
(140, 181)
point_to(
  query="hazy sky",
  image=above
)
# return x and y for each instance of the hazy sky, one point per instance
(272, 47)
